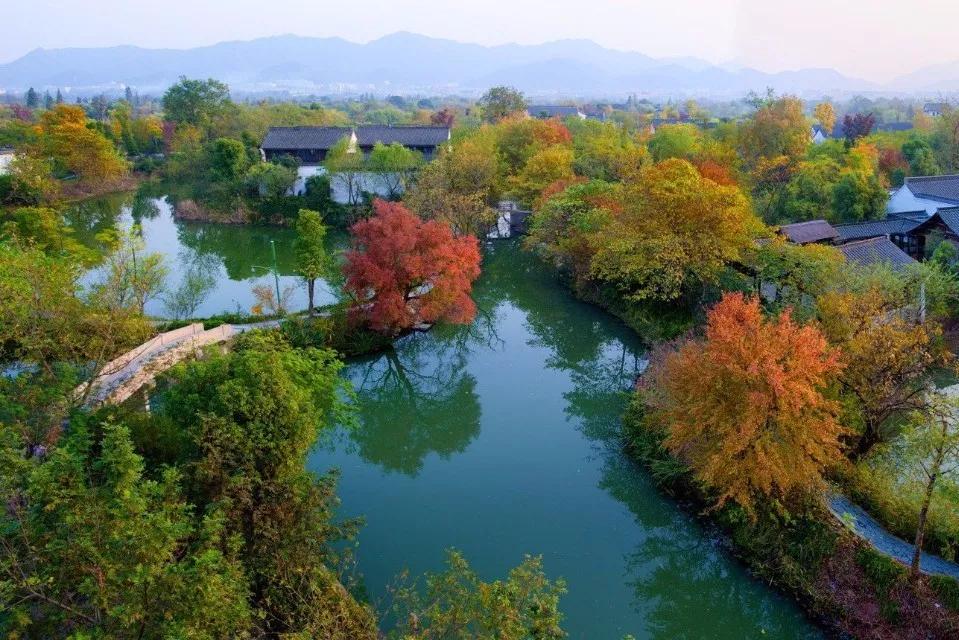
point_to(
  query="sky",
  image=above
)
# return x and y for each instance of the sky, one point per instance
(872, 39)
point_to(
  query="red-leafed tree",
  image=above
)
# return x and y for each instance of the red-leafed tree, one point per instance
(444, 117)
(403, 271)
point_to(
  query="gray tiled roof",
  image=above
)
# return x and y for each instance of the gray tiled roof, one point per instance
(551, 111)
(279, 138)
(408, 136)
(949, 216)
(304, 137)
(876, 251)
(811, 231)
(874, 228)
(944, 188)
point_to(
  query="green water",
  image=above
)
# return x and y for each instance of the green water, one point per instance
(500, 439)
(238, 256)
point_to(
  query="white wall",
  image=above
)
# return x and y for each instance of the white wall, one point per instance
(367, 181)
(904, 200)
(5, 160)
(302, 174)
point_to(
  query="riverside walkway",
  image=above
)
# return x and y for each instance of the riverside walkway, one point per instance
(868, 529)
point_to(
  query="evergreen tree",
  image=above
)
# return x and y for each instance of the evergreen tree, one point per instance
(33, 98)
(59, 98)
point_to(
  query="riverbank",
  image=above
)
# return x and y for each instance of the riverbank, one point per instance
(72, 192)
(191, 211)
(844, 584)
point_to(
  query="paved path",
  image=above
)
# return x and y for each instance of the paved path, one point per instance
(867, 528)
(128, 373)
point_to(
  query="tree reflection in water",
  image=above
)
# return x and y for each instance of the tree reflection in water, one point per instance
(683, 582)
(417, 399)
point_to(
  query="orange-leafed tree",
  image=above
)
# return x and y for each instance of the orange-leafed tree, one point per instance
(403, 271)
(744, 406)
(76, 148)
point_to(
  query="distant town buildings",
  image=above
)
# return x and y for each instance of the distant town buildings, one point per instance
(546, 112)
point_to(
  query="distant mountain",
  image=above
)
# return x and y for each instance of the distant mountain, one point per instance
(937, 78)
(405, 63)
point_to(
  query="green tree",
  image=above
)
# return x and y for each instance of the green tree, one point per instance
(458, 188)
(809, 193)
(228, 159)
(32, 98)
(920, 156)
(675, 232)
(676, 141)
(395, 166)
(269, 180)
(48, 316)
(91, 547)
(561, 230)
(457, 605)
(346, 167)
(46, 229)
(546, 167)
(858, 197)
(32, 180)
(499, 102)
(312, 260)
(934, 439)
(247, 420)
(195, 102)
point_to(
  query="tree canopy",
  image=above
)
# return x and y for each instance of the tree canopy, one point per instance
(745, 406)
(403, 271)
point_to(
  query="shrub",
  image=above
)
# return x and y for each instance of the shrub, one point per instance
(947, 589)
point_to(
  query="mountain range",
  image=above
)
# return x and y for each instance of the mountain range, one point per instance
(406, 63)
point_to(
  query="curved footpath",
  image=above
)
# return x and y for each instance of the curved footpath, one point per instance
(128, 373)
(867, 528)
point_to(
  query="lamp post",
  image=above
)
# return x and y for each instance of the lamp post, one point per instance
(276, 273)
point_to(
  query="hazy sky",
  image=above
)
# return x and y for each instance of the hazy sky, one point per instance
(873, 39)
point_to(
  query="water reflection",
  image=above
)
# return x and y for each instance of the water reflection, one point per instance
(243, 251)
(236, 256)
(414, 402)
(503, 438)
(684, 586)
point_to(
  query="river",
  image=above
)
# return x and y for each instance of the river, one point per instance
(499, 439)
(237, 256)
